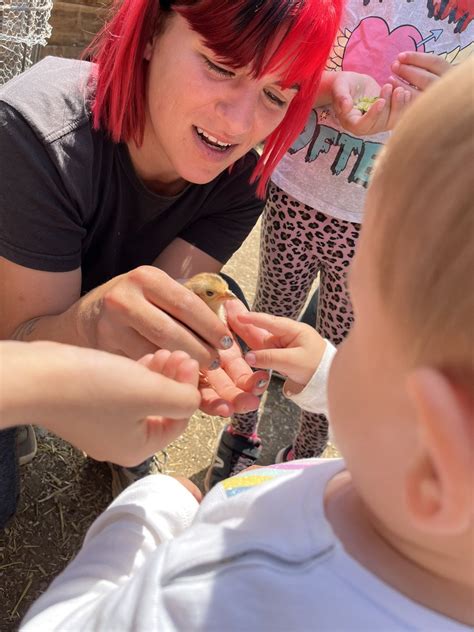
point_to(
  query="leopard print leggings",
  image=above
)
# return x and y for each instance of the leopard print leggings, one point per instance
(297, 242)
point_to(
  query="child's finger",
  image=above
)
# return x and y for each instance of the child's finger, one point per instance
(155, 361)
(252, 335)
(171, 366)
(282, 360)
(188, 372)
(370, 122)
(400, 100)
(408, 90)
(413, 75)
(434, 64)
(277, 325)
(164, 362)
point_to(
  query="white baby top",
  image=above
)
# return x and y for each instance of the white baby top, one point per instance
(259, 556)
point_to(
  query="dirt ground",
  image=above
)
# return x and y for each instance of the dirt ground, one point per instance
(62, 491)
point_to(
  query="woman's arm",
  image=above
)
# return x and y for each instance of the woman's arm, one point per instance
(183, 260)
(33, 303)
(132, 315)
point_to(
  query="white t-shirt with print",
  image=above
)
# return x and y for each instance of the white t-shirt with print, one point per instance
(328, 168)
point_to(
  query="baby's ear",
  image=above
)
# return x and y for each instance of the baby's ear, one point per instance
(438, 482)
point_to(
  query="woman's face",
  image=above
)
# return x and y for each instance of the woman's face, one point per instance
(201, 116)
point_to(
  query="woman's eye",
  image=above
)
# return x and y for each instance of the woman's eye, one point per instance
(222, 72)
(274, 99)
(209, 293)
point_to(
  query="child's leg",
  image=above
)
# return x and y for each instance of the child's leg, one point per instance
(287, 269)
(336, 241)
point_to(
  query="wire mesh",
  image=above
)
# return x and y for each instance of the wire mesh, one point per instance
(24, 27)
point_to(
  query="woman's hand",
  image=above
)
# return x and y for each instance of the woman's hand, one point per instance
(294, 349)
(417, 71)
(234, 387)
(144, 310)
(348, 87)
(111, 407)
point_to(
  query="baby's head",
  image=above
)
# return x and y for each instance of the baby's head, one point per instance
(402, 385)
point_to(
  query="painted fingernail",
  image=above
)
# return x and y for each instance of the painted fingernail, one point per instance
(226, 342)
(262, 383)
(251, 359)
(215, 364)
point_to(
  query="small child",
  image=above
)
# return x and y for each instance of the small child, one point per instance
(385, 544)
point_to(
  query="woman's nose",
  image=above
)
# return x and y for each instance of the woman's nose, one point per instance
(237, 109)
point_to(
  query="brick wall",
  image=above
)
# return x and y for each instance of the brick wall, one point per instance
(74, 25)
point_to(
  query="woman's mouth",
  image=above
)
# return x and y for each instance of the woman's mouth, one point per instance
(212, 142)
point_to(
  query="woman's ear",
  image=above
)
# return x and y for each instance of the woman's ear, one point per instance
(438, 483)
(149, 48)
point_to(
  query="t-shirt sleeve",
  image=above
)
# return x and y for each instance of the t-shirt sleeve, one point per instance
(40, 224)
(233, 209)
(104, 583)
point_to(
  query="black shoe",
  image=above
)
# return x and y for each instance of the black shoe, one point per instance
(233, 454)
(122, 476)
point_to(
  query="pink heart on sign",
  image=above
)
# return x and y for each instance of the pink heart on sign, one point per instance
(372, 47)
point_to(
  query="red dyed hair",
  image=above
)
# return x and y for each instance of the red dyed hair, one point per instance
(240, 33)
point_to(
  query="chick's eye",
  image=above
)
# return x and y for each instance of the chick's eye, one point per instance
(209, 293)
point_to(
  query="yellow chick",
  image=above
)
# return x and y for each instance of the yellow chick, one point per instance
(213, 290)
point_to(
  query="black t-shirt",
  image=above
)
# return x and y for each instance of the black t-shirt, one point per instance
(69, 196)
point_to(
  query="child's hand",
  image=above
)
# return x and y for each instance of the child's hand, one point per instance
(107, 405)
(417, 71)
(294, 349)
(349, 87)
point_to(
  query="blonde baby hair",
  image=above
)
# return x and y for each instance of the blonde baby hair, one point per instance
(421, 203)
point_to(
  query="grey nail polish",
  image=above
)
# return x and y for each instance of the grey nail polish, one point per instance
(262, 383)
(226, 342)
(215, 364)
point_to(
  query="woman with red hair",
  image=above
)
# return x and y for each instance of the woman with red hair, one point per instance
(123, 174)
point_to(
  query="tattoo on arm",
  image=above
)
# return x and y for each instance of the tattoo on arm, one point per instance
(23, 331)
